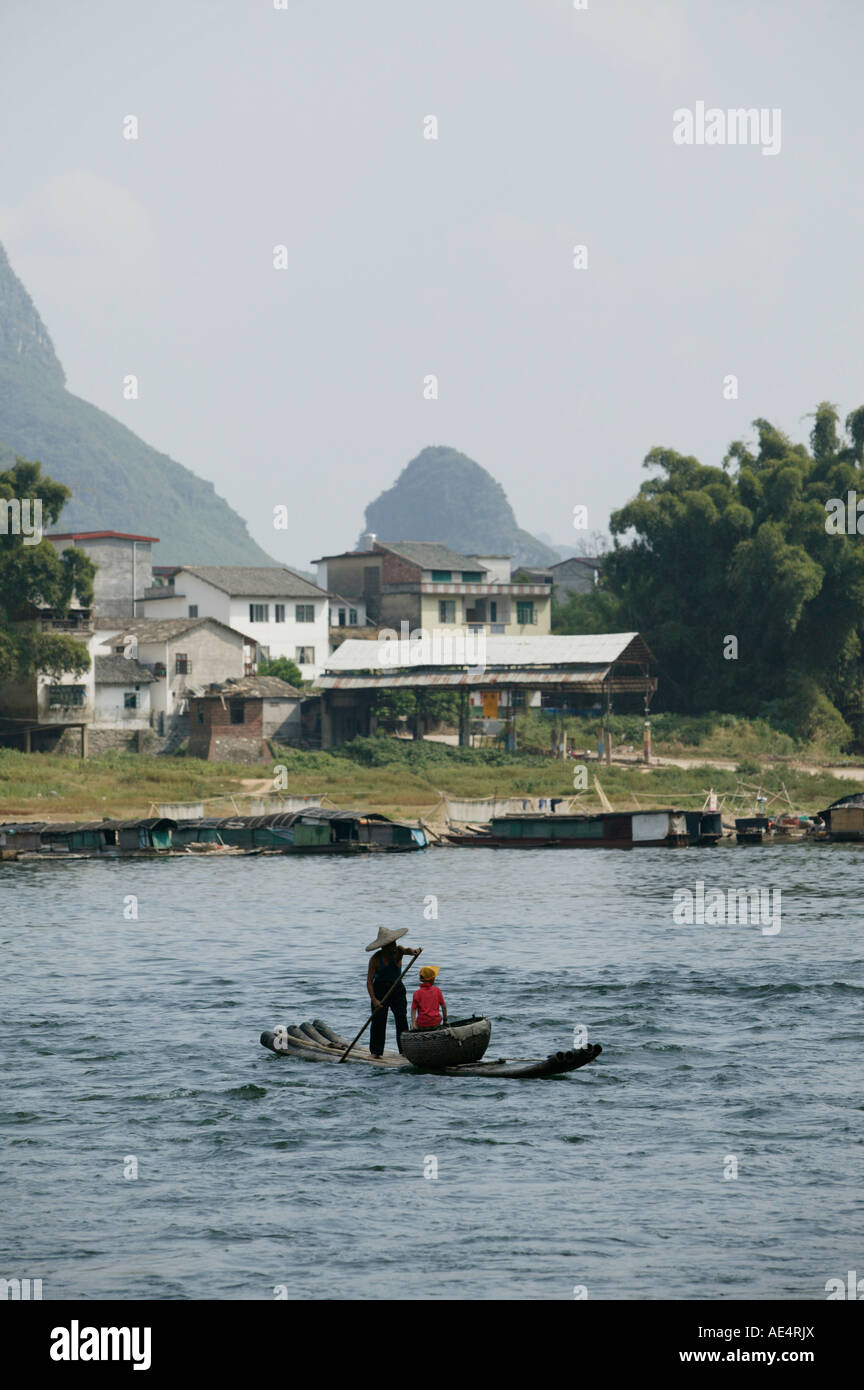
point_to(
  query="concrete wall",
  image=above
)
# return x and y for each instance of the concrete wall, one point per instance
(400, 607)
(572, 577)
(110, 708)
(352, 576)
(120, 572)
(498, 567)
(282, 720)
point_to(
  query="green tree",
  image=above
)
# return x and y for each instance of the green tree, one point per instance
(284, 668)
(705, 554)
(34, 577)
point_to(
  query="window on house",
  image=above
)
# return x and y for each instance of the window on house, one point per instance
(130, 699)
(472, 576)
(200, 715)
(493, 610)
(305, 656)
(525, 613)
(352, 617)
(181, 664)
(66, 694)
(341, 617)
(237, 711)
(279, 613)
(259, 612)
(304, 612)
(193, 610)
(441, 576)
(446, 610)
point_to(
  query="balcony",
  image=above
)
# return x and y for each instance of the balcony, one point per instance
(77, 622)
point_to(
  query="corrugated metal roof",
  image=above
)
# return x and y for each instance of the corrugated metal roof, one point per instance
(600, 649)
(584, 676)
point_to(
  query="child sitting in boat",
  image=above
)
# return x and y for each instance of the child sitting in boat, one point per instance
(428, 1004)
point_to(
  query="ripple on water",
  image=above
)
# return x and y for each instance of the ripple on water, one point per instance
(155, 1055)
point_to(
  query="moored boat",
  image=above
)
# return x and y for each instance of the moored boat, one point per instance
(753, 830)
(605, 830)
(844, 819)
(312, 830)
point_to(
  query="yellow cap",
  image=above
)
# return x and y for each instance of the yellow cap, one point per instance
(429, 973)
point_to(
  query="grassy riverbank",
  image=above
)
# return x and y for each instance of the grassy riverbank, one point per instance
(394, 776)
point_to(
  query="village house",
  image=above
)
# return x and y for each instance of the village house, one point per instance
(578, 575)
(47, 712)
(124, 567)
(121, 709)
(432, 587)
(284, 614)
(231, 721)
(178, 653)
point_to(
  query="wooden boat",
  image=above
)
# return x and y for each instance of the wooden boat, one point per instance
(449, 1045)
(606, 830)
(316, 1042)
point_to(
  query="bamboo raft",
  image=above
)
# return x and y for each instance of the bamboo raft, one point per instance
(316, 1042)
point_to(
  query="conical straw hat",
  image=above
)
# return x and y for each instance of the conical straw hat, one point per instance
(386, 938)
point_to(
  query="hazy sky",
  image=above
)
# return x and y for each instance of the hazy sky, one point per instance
(304, 127)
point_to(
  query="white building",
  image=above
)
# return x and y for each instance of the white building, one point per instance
(122, 693)
(286, 615)
(178, 653)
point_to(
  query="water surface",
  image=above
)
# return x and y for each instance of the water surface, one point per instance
(129, 1039)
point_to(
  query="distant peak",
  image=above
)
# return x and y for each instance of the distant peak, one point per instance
(23, 336)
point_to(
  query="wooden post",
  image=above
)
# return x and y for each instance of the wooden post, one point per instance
(607, 732)
(463, 718)
(83, 740)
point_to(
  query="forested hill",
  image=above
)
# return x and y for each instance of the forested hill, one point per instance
(118, 482)
(442, 495)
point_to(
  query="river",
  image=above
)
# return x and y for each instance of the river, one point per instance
(153, 1149)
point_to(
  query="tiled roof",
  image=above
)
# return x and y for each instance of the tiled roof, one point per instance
(252, 687)
(162, 629)
(120, 670)
(431, 555)
(256, 581)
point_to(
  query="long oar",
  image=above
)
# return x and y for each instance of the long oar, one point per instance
(381, 1005)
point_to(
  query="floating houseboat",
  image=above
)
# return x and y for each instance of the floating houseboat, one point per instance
(606, 830)
(704, 827)
(844, 819)
(753, 830)
(313, 830)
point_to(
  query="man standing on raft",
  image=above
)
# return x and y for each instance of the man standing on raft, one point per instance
(385, 967)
